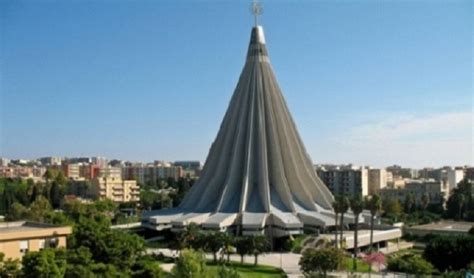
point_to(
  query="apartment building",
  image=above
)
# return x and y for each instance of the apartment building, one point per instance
(150, 174)
(377, 180)
(115, 189)
(437, 191)
(344, 179)
(22, 172)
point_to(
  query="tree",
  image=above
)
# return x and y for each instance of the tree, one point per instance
(461, 201)
(147, 267)
(39, 208)
(190, 264)
(392, 208)
(79, 263)
(17, 212)
(321, 261)
(357, 206)
(45, 263)
(243, 247)
(344, 205)
(213, 242)
(107, 246)
(425, 201)
(227, 246)
(190, 235)
(258, 245)
(450, 253)
(48, 175)
(55, 195)
(409, 203)
(374, 204)
(9, 268)
(60, 178)
(336, 207)
(410, 263)
(227, 272)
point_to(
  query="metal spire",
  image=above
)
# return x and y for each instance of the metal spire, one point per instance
(257, 10)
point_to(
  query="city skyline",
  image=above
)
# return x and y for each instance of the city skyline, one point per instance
(381, 86)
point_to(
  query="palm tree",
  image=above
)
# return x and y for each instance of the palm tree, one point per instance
(335, 206)
(344, 205)
(375, 206)
(461, 201)
(227, 241)
(189, 236)
(357, 206)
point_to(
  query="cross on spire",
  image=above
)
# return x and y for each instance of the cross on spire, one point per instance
(257, 10)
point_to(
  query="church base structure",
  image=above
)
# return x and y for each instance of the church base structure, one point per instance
(274, 224)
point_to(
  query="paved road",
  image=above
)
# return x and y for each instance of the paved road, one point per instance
(286, 261)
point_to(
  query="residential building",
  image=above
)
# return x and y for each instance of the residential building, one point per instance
(71, 171)
(4, 162)
(406, 173)
(18, 238)
(115, 189)
(110, 172)
(89, 171)
(455, 176)
(377, 180)
(469, 173)
(151, 174)
(23, 172)
(344, 179)
(437, 191)
(100, 161)
(51, 161)
(191, 168)
(446, 174)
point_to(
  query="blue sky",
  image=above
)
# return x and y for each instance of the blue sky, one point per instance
(368, 82)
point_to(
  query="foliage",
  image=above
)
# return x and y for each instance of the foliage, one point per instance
(410, 263)
(320, 261)
(257, 245)
(9, 268)
(106, 245)
(460, 204)
(227, 272)
(357, 205)
(45, 263)
(190, 264)
(374, 259)
(242, 247)
(450, 253)
(147, 267)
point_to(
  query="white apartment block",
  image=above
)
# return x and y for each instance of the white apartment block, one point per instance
(346, 180)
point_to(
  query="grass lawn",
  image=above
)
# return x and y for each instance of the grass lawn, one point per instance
(251, 271)
(361, 266)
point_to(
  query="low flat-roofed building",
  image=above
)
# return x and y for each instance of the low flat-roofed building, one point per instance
(441, 228)
(17, 238)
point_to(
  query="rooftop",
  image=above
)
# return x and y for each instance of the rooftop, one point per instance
(455, 226)
(25, 229)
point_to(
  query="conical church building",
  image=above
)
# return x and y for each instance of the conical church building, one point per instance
(258, 177)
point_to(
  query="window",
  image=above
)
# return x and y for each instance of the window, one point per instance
(41, 244)
(24, 244)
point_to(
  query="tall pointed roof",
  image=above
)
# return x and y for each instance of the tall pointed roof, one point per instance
(257, 166)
